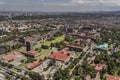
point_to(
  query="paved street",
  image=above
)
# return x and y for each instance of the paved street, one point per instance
(81, 61)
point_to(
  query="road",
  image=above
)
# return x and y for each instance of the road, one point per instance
(88, 51)
(81, 61)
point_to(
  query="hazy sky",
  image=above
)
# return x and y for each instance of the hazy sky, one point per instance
(60, 5)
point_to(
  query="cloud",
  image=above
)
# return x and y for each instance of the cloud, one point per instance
(61, 5)
(77, 1)
(108, 2)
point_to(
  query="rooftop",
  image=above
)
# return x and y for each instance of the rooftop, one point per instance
(58, 56)
(10, 57)
(72, 46)
(110, 77)
(61, 55)
(100, 67)
(34, 65)
(32, 53)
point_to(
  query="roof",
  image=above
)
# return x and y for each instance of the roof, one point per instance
(66, 51)
(61, 55)
(58, 56)
(72, 46)
(110, 77)
(92, 59)
(104, 46)
(33, 53)
(99, 67)
(34, 65)
(10, 57)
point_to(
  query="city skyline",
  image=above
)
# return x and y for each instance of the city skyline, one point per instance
(59, 5)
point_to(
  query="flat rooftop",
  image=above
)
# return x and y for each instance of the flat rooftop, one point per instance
(11, 57)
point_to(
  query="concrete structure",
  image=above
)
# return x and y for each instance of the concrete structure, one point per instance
(31, 53)
(69, 30)
(72, 47)
(63, 55)
(29, 46)
(34, 65)
(11, 57)
(100, 67)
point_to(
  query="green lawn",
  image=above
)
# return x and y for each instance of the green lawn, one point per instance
(57, 39)
(22, 49)
(44, 53)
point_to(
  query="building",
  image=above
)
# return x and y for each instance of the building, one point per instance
(58, 56)
(87, 41)
(76, 48)
(21, 40)
(28, 46)
(100, 67)
(63, 55)
(31, 53)
(110, 77)
(2, 50)
(11, 57)
(69, 30)
(103, 47)
(34, 65)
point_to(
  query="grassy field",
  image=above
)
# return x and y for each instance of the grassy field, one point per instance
(46, 52)
(22, 49)
(57, 39)
(43, 53)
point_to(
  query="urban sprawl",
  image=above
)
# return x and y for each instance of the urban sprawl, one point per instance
(59, 46)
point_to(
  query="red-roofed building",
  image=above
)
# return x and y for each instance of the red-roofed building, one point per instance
(34, 65)
(110, 77)
(62, 55)
(11, 57)
(31, 53)
(58, 56)
(100, 67)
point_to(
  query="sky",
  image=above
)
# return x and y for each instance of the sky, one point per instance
(60, 5)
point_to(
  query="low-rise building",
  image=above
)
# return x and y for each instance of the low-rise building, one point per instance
(100, 67)
(34, 65)
(63, 55)
(11, 57)
(110, 77)
(76, 48)
(31, 53)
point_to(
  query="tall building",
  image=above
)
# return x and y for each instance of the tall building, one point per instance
(29, 45)
(69, 30)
